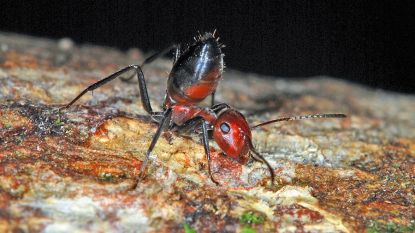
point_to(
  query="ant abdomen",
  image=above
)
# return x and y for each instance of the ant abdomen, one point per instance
(197, 71)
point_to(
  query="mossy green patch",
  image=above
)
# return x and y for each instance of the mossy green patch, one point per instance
(251, 217)
(58, 122)
(377, 227)
(107, 177)
(188, 229)
(248, 229)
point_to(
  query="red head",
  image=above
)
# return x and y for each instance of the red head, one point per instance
(232, 134)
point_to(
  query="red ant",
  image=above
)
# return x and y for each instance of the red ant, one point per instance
(195, 75)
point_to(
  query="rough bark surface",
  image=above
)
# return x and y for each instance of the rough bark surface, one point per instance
(73, 170)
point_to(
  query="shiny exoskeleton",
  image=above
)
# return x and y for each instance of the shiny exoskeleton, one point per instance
(196, 72)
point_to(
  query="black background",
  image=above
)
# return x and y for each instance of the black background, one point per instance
(369, 42)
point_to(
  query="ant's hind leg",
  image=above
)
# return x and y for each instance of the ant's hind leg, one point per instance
(154, 57)
(160, 54)
(141, 82)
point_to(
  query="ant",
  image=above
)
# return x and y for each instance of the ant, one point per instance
(195, 75)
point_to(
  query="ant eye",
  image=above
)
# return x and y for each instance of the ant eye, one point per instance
(224, 127)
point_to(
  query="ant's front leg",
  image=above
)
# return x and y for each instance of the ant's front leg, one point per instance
(205, 141)
(191, 124)
(145, 100)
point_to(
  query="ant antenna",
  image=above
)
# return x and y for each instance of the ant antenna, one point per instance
(295, 118)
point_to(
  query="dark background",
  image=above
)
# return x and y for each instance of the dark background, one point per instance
(369, 42)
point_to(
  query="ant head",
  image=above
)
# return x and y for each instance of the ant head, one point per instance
(232, 134)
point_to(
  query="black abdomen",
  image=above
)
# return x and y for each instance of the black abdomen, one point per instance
(196, 73)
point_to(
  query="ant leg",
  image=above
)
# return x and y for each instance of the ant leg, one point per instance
(164, 123)
(205, 141)
(188, 125)
(157, 116)
(159, 54)
(154, 57)
(145, 100)
(212, 101)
